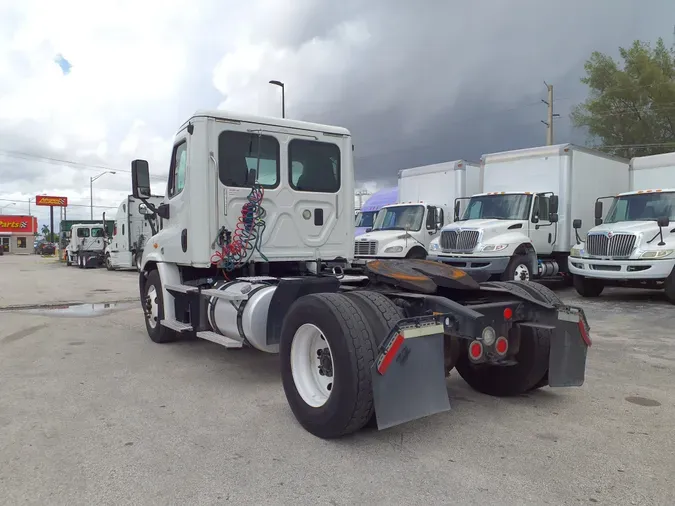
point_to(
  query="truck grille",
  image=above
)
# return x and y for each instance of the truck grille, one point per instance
(618, 245)
(365, 248)
(465, 240)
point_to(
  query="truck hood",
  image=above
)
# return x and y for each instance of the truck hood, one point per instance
(490, 228)
(381, 235)
(634, 227)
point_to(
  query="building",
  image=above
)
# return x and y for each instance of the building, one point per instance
(17, 234)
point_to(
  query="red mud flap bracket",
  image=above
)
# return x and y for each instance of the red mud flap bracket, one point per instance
(569, 346)
(408, 374)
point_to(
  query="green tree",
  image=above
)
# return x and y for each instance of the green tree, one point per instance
(630, 110)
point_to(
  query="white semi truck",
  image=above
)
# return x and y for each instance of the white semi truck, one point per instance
(520, 228)
(134, 225)
(86, 245)
(634, 245)
(257, 231)
(425, 204)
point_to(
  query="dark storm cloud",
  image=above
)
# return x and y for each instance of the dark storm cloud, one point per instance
(468, 76)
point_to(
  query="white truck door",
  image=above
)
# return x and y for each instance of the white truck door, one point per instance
(543, 232)
(176, 226)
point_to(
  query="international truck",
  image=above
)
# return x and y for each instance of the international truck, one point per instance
(257, 234)
(134, 224)
(425, 202)
(634, 245)
(520, 227)
(65, 226)
(366, 215)
(86, 245)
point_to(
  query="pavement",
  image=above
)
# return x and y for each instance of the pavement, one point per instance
(93, 412)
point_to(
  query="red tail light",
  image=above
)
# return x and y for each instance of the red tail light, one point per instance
(476, 350)
(501, 345)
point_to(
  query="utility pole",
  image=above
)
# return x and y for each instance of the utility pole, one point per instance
(549, 123)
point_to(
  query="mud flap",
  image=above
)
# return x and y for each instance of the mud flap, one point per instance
(91, 261)
(409, 375)
(569, 346)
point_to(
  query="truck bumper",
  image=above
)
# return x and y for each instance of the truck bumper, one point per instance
(491, 265)
(621, 269)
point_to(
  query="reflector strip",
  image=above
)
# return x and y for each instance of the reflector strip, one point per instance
(390, 354)
(424, 330)
(584, 334)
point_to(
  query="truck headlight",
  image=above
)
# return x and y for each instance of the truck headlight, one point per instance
(657, 254)
(494, 247)
(393, 249)
(576, 251)
(434, 246)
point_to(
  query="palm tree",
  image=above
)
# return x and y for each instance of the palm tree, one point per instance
(45, 232)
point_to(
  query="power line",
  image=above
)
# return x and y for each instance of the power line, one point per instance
(69, 204)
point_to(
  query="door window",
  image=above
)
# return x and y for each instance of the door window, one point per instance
(82, 232)
(242, 156)
(178, 169)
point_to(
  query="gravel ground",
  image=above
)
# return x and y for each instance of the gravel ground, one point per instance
(93, 412)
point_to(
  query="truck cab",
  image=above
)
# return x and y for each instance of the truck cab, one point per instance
(402, 231)
(365, 217)
(501, 233)
(633, 246)
(86, 245)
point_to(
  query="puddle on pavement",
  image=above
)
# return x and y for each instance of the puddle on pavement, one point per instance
(76, 310)
(643, 401)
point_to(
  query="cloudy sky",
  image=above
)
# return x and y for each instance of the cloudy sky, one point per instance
(88, 86)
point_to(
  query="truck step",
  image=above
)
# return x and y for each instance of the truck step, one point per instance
(176, 325)
(220, 294)
(218, 339)
(181, 288)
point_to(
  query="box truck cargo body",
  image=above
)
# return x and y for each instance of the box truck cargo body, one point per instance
(425, 199)
(520, 227)
(634, 245)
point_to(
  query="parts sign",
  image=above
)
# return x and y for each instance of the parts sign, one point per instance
(19, 224)
(44, 200)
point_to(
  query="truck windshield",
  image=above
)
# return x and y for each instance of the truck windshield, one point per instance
(400, 218)
(642, 207)
(365, 219)
(498, 207)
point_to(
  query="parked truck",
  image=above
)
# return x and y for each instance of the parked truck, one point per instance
(366, 215)
(86, 245)
(425, 199)
(520, 228)
(65, 226)
(257, 230)
(634, 245)
(134, 224)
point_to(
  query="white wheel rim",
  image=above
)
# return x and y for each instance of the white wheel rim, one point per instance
(521, 273)
(154, 306)
(310, 365)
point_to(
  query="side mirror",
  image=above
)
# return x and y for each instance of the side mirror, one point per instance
(663, 221)
(535, 211)
(598, 211)
(140, 179)
(553, 205)
(143, 209)
(369, 229)
(456, 217)
(576, 224)
(553, 217)
(431, 218)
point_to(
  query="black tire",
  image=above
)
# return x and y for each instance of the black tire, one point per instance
(159, 334)
(346, 329)
(80, 262)
(417, 253)
(506, 381)
(108, 263)
(588, 287)
(669, 287)
(137, 260)
(68, 262)
(382, 314)
(515, 263)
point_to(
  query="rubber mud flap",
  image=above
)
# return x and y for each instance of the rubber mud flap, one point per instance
(413, 385)
(567, 358)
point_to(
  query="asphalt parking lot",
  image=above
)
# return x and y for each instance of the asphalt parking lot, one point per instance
(93, 412)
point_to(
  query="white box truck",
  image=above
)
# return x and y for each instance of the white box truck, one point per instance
(425, 204)
(257, 228)
(86, 245)
(520, 228)
(134, 225)
(635, 243)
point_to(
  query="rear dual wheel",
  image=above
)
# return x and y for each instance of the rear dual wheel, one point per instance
(329, 342)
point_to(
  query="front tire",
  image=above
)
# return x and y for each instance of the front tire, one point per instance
(137, 260)
(417, 254)
(326, 353)
(153, 308)
(588, 287)
(669, 287)
(108, 262)
(518, 269)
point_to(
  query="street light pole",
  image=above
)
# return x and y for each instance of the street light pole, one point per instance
(7, 205)
(91, 191)
(283, 96)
